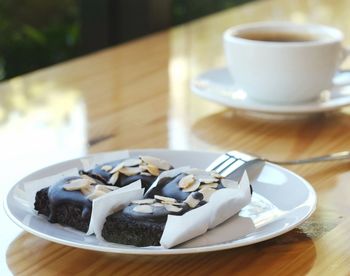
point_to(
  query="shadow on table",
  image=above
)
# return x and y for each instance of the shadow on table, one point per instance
(293, 251)
(273, 139)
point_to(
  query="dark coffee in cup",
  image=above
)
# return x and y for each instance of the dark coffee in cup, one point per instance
(277, 36)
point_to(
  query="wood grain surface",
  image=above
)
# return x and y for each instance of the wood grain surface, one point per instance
(137, 95)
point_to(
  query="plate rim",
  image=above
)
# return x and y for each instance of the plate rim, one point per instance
(160, 251)
(306, 108)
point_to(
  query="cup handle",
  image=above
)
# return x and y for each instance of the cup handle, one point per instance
(342, 77)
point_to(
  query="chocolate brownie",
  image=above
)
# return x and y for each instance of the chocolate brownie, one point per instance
(67, 207)
(142, 222)
(124, 172)
(69, 201)
(137, 228)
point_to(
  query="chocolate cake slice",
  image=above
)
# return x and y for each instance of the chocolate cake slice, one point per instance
(123, 172)
(69, 201)
(139, 224)
(142, 222)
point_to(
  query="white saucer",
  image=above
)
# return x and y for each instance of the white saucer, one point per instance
(217, 85)
(283, 200)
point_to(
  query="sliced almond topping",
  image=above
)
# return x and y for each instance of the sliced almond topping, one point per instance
(227, 183)
(192, 202)
(105, 188)
(83, 181)
(132, 162)
(117, 168)
(113, 179)
(158, 204)
(102, 188)
(165, 199)
(112, 188)
(143, 209)
(208, 180)
(153, 170)
(159, 163)
(186, 181)
(145, 173)
(172, 208)
(95, 194)
(87, 190)
(216, 175)
(76, 184)
(106, 168)
(199, 173)
(144, 201)
(176, 203)
(128, 171)
(143, 167)
(89, 178)
(192, 187)
(210, 185)
(207, 192)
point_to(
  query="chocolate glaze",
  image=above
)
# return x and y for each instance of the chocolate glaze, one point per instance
(169, 187)
(159, 214)
(123, 180)
(197, 195)
(58, 196)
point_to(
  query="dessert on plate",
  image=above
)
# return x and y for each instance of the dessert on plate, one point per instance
(124, 172)
(69, 201)
(142, 222)
(178, 204)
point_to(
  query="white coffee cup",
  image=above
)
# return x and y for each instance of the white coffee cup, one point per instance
(283, 72)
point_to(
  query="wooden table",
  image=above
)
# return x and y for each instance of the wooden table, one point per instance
(136, 95)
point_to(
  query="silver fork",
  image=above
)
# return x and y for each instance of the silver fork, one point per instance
(233, 163)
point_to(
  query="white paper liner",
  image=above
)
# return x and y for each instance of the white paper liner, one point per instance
(32, 187)
(223, 204)
(110, 203)
(258, 213)
(232, 229)
(91, 162)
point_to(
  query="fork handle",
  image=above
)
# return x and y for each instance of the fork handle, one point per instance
(330, 157)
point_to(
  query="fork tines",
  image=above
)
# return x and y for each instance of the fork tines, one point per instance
(229, 162)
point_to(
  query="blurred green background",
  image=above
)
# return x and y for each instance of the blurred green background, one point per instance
(39, 33)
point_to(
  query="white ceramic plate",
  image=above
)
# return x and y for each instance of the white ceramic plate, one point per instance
(293, 198)
(217, 85)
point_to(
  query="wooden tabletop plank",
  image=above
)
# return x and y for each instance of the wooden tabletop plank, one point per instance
(136, 95)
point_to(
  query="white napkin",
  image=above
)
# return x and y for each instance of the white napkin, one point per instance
(111, 202)
(223, 204)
